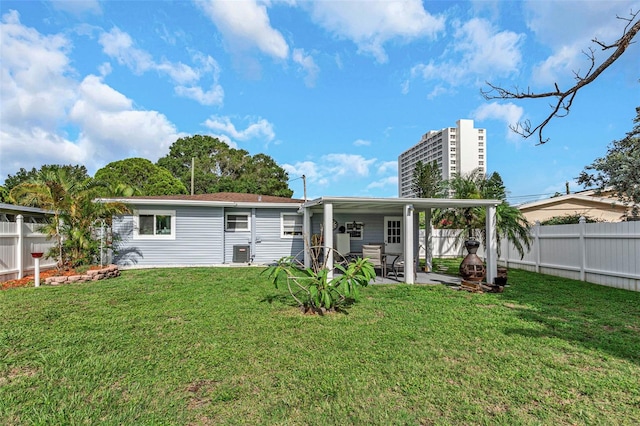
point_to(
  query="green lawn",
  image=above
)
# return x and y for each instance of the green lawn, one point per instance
(222, 346)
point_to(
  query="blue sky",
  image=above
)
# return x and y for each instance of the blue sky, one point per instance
(335, 90)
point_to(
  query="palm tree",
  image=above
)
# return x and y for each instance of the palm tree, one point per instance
(74, 212)
(50, 190)
(510, 223)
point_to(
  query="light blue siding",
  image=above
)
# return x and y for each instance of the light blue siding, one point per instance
(269, 245)
(198, 239)
(201, 239)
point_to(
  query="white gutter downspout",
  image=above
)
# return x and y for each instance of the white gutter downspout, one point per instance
(409, 267)
(253, 241)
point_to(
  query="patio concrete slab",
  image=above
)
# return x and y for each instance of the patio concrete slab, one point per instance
(422, 278)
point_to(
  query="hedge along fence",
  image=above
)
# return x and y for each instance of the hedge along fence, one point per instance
(606, 253)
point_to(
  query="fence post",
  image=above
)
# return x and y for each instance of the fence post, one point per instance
(20, 245)
(582, 229)
(536, 244)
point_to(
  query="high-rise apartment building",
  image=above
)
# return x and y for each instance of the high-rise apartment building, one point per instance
(459, 149)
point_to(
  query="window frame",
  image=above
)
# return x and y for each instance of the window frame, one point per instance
(155, 236)
(226, 222)
(293, 235)
(356, 232)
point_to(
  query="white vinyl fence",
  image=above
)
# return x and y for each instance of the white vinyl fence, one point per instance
(17, 241)
(601, 253)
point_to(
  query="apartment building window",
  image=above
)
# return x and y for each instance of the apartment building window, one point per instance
(453, 149)
(481, 163)
(480, 138)
(481, 157)
(481, 150)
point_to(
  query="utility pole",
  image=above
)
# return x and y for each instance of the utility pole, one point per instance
(304, 186)
(193, 163)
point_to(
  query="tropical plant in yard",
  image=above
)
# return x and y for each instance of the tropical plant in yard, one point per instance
(75, 213)
(510, 223)
(311, 287)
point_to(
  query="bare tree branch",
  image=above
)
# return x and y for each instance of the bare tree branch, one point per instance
(564, 99)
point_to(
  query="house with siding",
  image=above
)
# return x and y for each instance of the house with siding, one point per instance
(231, 228)
(603, 206)
(207, 229)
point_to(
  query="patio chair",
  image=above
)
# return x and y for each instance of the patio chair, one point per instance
(398, 265)
(374, 254)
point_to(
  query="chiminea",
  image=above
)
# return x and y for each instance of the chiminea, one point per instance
(472, 268)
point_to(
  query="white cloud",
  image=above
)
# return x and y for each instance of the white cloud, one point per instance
(112, 129)
(478, 50)
(384, 183)
(36, 87)
(42, 104)
(589, 20)
(77, 7)
(259, 129)
(361, 142)
(388, 167)
(245, 25)
(307, 65)
(347, 164)
(371, 24)
(331, 168)
(120, 46)
(508, 113)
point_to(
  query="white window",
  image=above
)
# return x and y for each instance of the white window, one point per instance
(355, 229)
(291, 225)
(154, 224)
(236, 222)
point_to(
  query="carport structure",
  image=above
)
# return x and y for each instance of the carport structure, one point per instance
(405, 208)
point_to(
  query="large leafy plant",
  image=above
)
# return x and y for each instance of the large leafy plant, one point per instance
(312, 288)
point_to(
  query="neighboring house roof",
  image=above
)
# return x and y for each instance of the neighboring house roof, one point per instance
(15, 209)
(224, 199)
(585, 202)
(9, 212)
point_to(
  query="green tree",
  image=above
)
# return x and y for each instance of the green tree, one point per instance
(75, 172)
(220, 168)
(619, 169)
(427, 181)
(142, 174)
(510, 223)
(74, 212)
(4, 195)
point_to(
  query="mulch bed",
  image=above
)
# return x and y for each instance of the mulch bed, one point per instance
(29, 280)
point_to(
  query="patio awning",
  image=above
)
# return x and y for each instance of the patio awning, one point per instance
(393, 205)
(402, 207)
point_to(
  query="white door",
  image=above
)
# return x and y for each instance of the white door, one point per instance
(393, 234)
